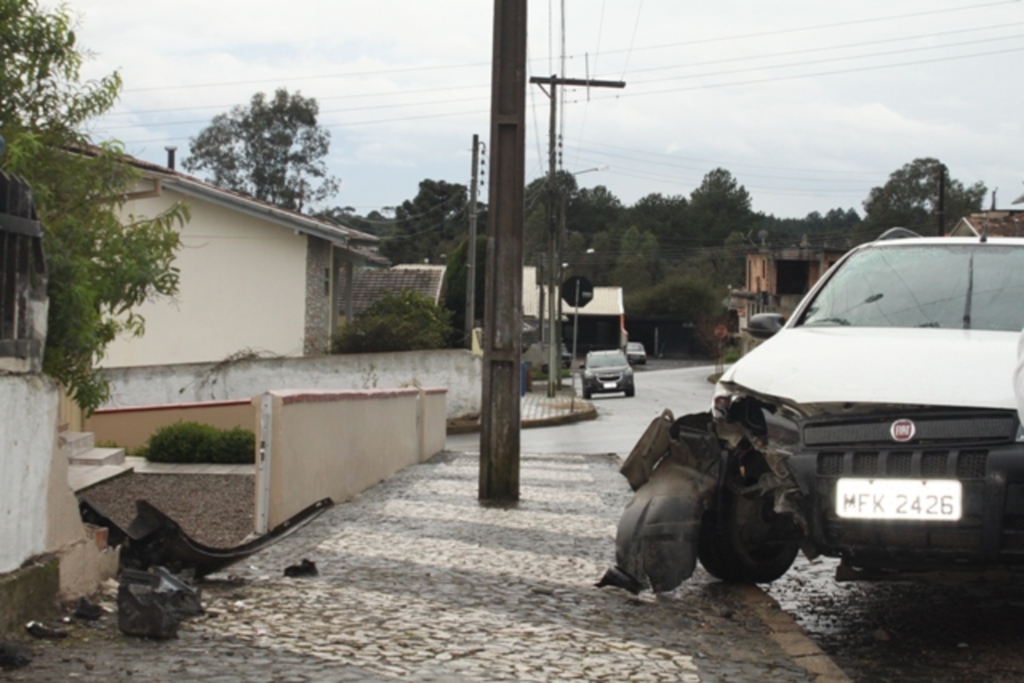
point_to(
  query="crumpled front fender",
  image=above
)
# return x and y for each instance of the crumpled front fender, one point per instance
(674, 469)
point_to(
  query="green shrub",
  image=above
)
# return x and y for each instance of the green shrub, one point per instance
(398, 321)
(237, 447)
(192, 442)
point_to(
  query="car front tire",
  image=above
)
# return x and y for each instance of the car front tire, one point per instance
(745, 541)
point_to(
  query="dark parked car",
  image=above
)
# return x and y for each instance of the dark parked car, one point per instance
(606, 372)
(878, 425)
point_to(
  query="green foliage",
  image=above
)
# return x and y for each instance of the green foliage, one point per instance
(430, 224)
(398, 321)
(719, 207)
(637, 267)
(455, 287)
(192, 442)
(679, 297)
(910, 200)
(100, 268)
(269, 150)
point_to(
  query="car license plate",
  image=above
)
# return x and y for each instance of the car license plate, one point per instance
(609, 385)
(937, 500)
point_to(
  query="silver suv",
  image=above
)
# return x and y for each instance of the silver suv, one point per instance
(877, 425)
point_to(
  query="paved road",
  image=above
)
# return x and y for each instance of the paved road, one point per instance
(620, 420)
(418, 581)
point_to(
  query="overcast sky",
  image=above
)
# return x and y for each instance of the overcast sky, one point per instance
(808, 103)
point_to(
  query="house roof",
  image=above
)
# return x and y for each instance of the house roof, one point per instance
(369, 284)
(993, 223)
(358, 245)
(606, 301)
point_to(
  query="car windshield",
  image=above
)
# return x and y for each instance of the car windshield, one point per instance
(605, 360)
(949, 286)
(634, 346)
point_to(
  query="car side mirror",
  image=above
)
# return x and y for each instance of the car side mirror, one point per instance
(765, 325)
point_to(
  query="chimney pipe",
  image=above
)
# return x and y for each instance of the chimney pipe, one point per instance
(170, 156)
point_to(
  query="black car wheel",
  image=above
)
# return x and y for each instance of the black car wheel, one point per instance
(745, 541)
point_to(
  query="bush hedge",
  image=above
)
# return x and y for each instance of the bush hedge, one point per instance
(192, 442)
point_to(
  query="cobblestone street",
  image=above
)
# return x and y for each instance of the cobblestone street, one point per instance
(418, 581)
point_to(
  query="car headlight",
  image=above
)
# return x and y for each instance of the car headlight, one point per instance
(721, 401)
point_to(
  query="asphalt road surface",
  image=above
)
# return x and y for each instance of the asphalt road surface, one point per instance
(940, 629)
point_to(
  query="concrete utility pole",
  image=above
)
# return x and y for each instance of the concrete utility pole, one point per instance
(471, 250)
(554, 351)
(941, 213)
(503, 310)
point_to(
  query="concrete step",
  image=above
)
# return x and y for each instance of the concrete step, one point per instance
(81, 477)
(98, 456)
(76, 443)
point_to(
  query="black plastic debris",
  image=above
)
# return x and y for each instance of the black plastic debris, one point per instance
(13, 656)
(37, 629)
(153, 604)
(88, 610)
(304, 568)
(153, 539)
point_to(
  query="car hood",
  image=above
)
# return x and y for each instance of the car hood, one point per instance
(828, 365)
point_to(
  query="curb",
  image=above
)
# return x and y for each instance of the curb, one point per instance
(588, 412)
(789, 636)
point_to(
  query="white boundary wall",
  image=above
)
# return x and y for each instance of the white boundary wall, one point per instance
(456, 370)
(29, 408)
(335, 444)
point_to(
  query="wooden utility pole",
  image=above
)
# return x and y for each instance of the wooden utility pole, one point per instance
(500, 413)
(471, 247)
(554, 351)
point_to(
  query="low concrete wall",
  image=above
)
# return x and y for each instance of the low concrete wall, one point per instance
(131, 428)
(456, 370)
(335, 444)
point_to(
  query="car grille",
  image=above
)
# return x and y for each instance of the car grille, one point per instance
(960, 464)
(609, 376)
(930, 428)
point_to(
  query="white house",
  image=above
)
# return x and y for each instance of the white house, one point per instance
(255, 279)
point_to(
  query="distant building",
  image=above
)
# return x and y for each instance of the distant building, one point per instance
(991, 223)
(777, 279)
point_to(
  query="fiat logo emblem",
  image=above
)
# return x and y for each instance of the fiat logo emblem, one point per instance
(902, 430)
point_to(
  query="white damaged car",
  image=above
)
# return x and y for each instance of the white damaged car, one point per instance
(877, 425)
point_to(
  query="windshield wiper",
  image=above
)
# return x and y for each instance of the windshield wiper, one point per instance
(970, 292)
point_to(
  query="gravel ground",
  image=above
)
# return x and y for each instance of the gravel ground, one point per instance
(217, 510)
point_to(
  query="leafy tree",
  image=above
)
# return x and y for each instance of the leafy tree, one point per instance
(590, 211)
(100, 267)
(910, 199)
(719, 207)
(398, 321)
(637, 266)
(667, 218)
(430, 224)
(272, 150)
(455, 286)
(680, 297)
